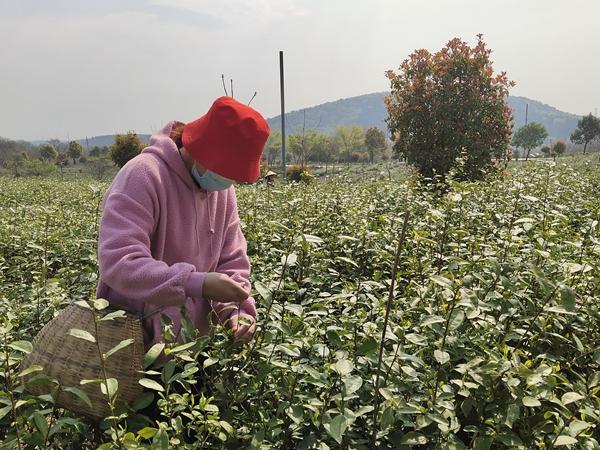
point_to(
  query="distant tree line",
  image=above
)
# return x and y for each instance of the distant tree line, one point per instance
(347, 145)
(24, 158)
(532, 135)
(442, 107)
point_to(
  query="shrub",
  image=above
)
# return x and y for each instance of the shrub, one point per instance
(37, 168)
(298, 173)
(126, 147)
(448, 103)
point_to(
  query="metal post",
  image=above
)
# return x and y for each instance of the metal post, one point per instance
(282, 114)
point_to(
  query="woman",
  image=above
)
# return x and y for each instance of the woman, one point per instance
(170, 233)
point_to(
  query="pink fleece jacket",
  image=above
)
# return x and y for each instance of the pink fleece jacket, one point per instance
(159, 236)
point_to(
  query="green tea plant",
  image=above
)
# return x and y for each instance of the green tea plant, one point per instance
(391, 315)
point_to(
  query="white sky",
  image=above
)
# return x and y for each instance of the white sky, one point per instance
(76, 68)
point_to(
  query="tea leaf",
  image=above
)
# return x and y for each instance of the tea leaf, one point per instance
(124, 343)
(22, 346)
(80, 394)
(82, 334)
(337, 428)
(151, 384)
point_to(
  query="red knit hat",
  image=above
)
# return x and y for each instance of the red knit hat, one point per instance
(228, 139)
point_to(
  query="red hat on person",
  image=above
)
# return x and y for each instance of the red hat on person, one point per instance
(228, 139)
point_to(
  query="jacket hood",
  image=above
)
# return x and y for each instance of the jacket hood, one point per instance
(163, 147)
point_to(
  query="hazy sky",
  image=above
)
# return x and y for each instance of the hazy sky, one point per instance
(76, 68)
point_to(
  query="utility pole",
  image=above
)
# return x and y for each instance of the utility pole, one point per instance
(281, 87)
(526, 112)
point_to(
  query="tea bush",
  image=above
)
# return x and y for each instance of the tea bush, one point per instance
(492, 339)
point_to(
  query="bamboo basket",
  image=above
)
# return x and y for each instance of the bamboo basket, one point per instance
(69, 359)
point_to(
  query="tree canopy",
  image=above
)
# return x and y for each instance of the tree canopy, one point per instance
(530, 136)
(450, 104)
(588, 129)
(48, 152)
(75, 150)
(374, 142)
(125, 147)
(558, 148)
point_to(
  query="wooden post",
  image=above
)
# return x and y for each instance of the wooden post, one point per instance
(281, 86)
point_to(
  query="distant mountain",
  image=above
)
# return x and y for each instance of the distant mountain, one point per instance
(107, 140)
(365, 111)
(559, 124)
(368, 111)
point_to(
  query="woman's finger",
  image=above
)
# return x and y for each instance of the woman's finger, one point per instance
(243, 334)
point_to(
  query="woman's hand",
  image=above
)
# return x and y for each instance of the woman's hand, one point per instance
(243, 326)
(219, 287)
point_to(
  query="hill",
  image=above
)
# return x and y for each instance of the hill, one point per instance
(368, 110)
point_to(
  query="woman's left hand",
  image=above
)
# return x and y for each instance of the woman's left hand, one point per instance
(243, 327)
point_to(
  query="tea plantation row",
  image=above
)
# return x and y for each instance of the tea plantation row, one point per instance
(492, 339)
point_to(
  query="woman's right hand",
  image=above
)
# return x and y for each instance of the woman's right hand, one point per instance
(219, 287)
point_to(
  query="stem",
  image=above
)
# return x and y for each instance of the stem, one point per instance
(385, 324)
(497, 379)
(10, 392)
(288, 433)
(260, 332)
(544, 222)
(512, 220)
(110, 401)
(534, 319)
(440, 257)
(52, 419)
(568, 421)
(437, 378)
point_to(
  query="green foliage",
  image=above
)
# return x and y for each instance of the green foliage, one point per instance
(97, 152)
(558, 148)
(37, 168)
(324, 149)
(310, 145)
(62, 159)
(125, 147)
(273, 147)
(350, 141)
(529, 137)
(298, 173)
(588, 129)
(448, 104)
(375, 143)
(546, 150)
(74, 151)
(10, 151)
(491, 343)
(48, 152)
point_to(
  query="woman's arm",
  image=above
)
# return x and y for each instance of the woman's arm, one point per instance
(234, 262)
(124, 256)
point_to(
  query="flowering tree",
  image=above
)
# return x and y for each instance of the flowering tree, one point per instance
(448, 105)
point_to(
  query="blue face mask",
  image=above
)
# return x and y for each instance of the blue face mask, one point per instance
(210, 181)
